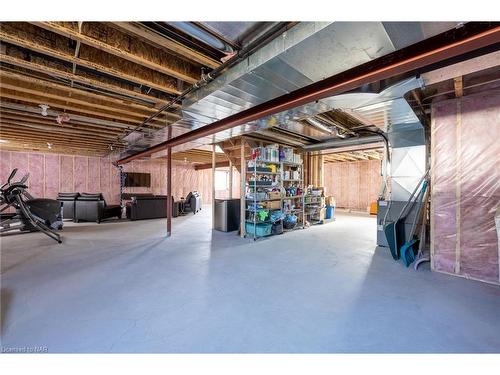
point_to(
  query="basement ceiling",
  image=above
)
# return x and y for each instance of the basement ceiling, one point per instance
(98, 81)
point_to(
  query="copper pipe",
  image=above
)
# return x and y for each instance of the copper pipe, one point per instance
(435, 49)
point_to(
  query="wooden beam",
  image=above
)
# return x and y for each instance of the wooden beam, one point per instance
(459, 86)
(76, 78)
(28, 110)
(14, 145)
(39, 120)
(78, 109)
(219, 164)
(462, 68)
(6, 134)
(166, 43)
(20, 129)
(58, 129)
(12, 39)
(74, 35)
(77, 91)
(71, 99)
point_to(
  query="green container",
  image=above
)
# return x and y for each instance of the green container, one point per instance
(261, 229)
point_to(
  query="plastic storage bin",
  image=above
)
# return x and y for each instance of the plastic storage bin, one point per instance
(329, 212)
(261, 229)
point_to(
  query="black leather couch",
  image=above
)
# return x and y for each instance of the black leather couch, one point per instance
(150, 207)
(68, 203)
(93, 207)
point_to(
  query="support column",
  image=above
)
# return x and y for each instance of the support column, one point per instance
(243, 172)
(213, 186)
(169, 192)
(230, 179)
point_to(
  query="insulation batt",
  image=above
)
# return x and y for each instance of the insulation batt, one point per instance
(51, 173)
(466, 185)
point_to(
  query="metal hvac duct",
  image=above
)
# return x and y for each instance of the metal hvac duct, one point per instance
(287, 67)
(335, 143)
(202, 35)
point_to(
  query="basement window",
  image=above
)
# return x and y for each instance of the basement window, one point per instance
(221, 180)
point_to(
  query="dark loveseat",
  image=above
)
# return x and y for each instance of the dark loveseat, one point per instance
(93, 207)
(150, 207)
(68, 201)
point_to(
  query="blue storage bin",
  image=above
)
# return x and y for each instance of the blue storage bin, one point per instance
(329, 212)
(262, 229)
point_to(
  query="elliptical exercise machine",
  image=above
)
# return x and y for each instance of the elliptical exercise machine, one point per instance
(32, 214)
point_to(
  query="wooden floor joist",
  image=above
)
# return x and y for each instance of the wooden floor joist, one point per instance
(74, 35)
(55, 134)
(24, 43)
(110, 114)
(52, 123)
(73, 100)
(35, 112)
(58, 129)
(17, 78)
(40, 120)
(15, 145)
(166, 43)
(50, 138)
(76, 78)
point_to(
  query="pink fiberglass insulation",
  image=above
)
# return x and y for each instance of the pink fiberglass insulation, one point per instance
(66, 183)
(466, 185)
(37, 175)
(52, 173)
(93, 182)
(4, 166)
(81, 173)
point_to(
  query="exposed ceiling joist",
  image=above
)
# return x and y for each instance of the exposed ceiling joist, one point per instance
(24, 43)
(156, 40)
(458, 84)
(40, 146)
(74, 35)
(462, 68)
(5, 74)
(76, 78)
(111, 134)
(51, 138)
(53, 114)
(44, 94)
(61, 129)
(39, 99)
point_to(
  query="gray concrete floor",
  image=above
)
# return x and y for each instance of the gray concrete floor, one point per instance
(124, 287)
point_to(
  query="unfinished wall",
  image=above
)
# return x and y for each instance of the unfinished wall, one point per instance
(466, 186)
(52, 173)
(205, 183)
(353, 184)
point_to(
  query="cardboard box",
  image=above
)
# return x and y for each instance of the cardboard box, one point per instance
(322, 214)
(330, 201)
(373, 208)
(270, 205)
(274, 195)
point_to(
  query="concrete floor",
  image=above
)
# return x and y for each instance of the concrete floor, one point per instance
(123, 287)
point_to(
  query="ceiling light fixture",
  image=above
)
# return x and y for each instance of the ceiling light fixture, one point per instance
(4, 141)
(49, 145)
(44, 108)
